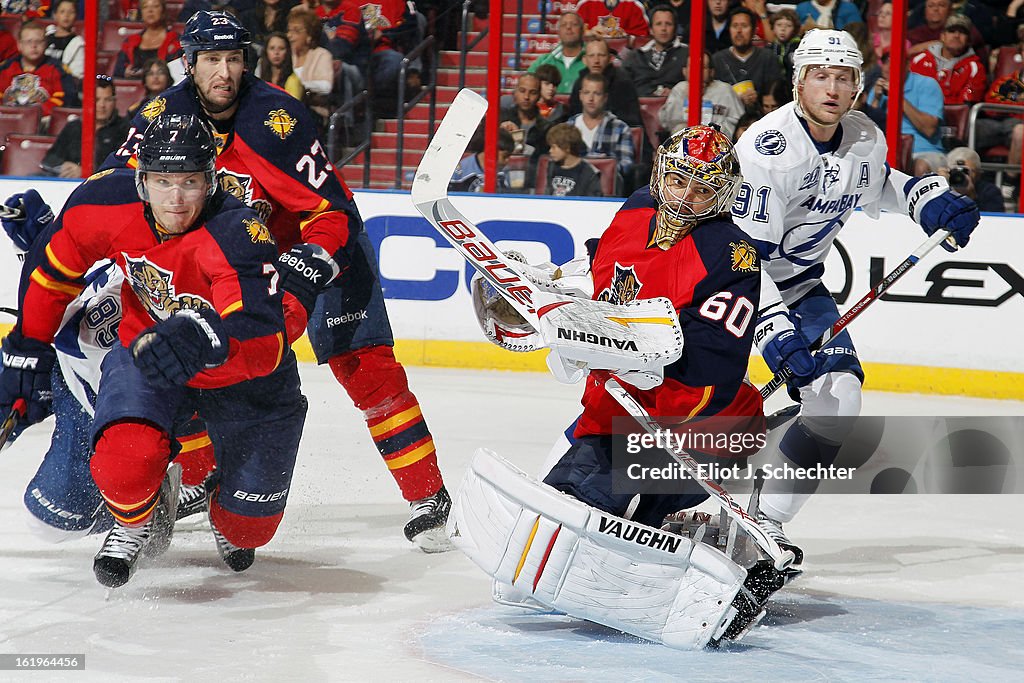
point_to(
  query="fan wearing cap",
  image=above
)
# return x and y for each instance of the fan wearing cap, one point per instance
(806, 167)
(955, 64)
(202, 330)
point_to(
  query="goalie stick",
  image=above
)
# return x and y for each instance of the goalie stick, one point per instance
(430, 197)
(11, 423)
(785, 373)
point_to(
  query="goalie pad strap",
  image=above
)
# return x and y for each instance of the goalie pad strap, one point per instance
(589, 564)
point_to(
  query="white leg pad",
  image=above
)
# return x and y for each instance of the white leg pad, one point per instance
(588, 564)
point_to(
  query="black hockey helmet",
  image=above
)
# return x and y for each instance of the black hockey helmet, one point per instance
(206, 30)
(176, 143)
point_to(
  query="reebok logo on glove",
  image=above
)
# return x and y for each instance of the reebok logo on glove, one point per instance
(301, 267)
(21, 362)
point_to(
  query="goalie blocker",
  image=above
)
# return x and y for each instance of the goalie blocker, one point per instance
(566, 555)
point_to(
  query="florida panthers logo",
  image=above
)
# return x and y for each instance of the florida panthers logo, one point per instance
(257, 232)
(609, 27)
(373, 17)
(25, 90)
(743, 257)
(624, 287)
(240, 186)
(154, 288)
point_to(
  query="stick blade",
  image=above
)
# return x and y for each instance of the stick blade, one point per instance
(447, 147)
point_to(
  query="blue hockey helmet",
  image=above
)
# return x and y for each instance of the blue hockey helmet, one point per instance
(176, 143)
(206, 30)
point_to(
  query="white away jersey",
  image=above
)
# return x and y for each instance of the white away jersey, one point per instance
(88, 330)
(795, 197)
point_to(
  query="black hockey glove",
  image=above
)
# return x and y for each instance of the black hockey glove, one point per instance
(175, 350)
(305, 271)
(36, 215)
(26, 374)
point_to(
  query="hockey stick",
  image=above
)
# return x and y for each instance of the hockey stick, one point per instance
(11, 423)
(430, 196)
(784, 373)
(781, 558)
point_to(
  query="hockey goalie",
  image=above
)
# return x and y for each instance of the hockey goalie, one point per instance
(572, 542)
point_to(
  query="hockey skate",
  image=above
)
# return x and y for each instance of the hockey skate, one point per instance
(238, 559)
(191, 500)
(774, 530)
(115, 563)
(427, 517)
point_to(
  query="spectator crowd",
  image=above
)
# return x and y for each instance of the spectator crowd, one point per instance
(610, 90)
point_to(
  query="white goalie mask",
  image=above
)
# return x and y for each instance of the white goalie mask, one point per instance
(824, 48)
(693, 160)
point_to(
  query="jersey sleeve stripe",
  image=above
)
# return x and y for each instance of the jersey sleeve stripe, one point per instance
(41, 279)
(56, 263)
(321, 210)
(231, 308)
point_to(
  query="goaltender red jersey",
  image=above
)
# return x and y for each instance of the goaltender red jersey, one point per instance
(225, 264)
(712, 276)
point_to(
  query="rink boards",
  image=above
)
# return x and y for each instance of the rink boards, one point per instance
(948, 327)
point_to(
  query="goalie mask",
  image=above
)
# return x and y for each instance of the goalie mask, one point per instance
(696, 176)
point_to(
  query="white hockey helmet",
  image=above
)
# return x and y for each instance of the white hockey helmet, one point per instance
(827, 47)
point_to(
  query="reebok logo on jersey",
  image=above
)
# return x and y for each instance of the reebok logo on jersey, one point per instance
(21, 362)
(347, 318)
(639, 534)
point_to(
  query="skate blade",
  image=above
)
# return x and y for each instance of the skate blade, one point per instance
(433, 541)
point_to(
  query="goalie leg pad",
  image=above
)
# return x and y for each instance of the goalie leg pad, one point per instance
(588, 564)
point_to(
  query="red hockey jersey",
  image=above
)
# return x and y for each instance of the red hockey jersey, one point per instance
(712, 276)
(614, 18)
(270, 158)
(225, 264)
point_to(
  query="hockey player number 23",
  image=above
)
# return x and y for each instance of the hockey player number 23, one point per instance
(308, 162)
(739, 314)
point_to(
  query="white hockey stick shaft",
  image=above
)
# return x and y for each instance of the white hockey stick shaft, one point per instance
(781, 558)
(430, 196)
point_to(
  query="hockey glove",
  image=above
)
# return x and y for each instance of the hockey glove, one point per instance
(935, 207)
(782, 345)
(36, 215)
(26, 374)
(177, 349)
(305, 271)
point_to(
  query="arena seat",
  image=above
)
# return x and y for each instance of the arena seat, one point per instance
(24, 154)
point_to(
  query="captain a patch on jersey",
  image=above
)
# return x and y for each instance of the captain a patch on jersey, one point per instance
(770, 143)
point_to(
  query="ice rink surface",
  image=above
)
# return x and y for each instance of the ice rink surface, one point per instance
(896, 588)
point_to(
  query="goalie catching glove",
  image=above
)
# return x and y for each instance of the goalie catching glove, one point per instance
(177, 349)
(634, 340)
